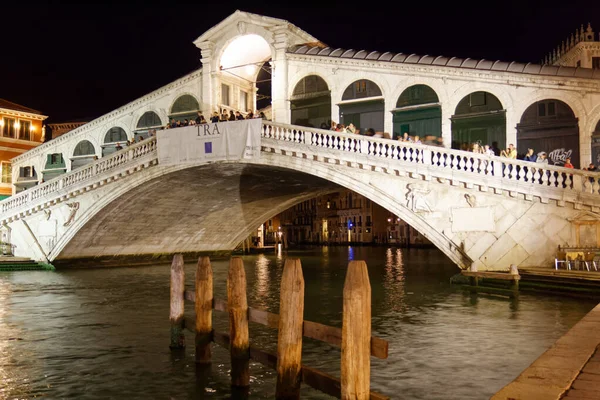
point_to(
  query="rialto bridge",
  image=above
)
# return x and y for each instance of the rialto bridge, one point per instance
(488, 212)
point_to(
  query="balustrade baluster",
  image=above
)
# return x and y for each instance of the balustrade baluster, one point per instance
(595, 187)
(461, 163)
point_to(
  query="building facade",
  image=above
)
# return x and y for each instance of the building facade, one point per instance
(346, 217)
(21, 129)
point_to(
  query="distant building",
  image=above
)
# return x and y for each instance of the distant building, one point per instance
(61, 128)
(21, 130)
(581, 49)
(345, 217)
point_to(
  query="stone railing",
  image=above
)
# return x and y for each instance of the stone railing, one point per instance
(518, 175)
(106, 164)
(506, 174)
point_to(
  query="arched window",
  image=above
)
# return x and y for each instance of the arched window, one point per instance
(311, 103)
(550, 126)
(361, 89)
(479, 118)
(84, 148)
(418, 113)
(149, 120)
(363, 106)
(83, 154)
(115, 135)
(185, 106)
(417, 95)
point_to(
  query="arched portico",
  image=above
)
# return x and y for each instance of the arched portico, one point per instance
(363, 105)
(550, 125)
(418, 112)
(479, 118)
(310, 103)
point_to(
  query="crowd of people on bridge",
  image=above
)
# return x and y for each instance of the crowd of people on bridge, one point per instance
(223, 116)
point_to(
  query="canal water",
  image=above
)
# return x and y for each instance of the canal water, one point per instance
(104, 333)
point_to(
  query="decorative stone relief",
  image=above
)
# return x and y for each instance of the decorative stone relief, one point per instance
(241, 26)
(471, 199)
(73, 207)
(47, 213)
(417, 200)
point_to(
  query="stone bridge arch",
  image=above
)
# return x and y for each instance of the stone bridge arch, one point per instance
(95, 231)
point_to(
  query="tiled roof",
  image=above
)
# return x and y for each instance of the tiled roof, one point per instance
(455, 62)
(9, 105)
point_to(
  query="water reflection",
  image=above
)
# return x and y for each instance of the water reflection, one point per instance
(102, 334)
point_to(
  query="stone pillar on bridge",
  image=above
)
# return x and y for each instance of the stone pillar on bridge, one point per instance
(279, 84)
(511, 128)
(447, 125)
(208, 101)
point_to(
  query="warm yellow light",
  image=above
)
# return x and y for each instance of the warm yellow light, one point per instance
(1, 122)
(31, 128)
(17, 125)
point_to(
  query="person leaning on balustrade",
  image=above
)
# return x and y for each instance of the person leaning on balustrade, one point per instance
(510, 152)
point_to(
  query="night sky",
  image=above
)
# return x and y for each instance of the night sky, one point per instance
(77, 62)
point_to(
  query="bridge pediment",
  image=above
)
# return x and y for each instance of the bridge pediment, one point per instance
(242, 23)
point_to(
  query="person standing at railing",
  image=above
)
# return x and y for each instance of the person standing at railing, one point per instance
(530, 156)
(510, 152)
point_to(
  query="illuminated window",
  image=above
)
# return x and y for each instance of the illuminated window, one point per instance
(8, 130)
(25, 130)
(6, 172)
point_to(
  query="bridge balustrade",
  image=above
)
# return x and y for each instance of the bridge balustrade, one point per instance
(105, 164)
(511, 173)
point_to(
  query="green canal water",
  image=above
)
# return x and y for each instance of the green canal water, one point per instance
(104, 333)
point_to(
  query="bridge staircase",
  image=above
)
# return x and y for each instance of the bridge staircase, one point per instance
(9, 263)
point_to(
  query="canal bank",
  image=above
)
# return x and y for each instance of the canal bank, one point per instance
(570, 369)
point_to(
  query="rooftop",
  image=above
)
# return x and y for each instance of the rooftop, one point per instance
(9, 105)
(454, 62)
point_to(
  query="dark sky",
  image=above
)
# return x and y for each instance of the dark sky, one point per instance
(75, 62)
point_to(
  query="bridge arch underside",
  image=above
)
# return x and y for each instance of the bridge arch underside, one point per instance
(204, 208)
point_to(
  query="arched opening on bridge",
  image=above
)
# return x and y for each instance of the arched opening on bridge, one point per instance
(311, 103)
(418, 112)
(479, 118)
(363, 106)
(55, 166)
(83, 154)
(245, 73)
(596, 145)
(147, 122)
(185, 107)
(115, 136)
(550, 125)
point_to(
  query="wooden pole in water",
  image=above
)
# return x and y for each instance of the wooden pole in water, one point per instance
(177, 302)
(289, 343)
(356, 333)
(204, 304)
(238, 323)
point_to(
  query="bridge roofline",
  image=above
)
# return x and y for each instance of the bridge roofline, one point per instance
(451, 62)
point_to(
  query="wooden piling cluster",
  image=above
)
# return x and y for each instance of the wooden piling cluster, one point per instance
(354, 338)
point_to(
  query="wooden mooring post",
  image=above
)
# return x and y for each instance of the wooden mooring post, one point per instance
(289, 341)
(354, 337)
(238, 323)
(176, 316)
(356, 333)
(203, 307)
